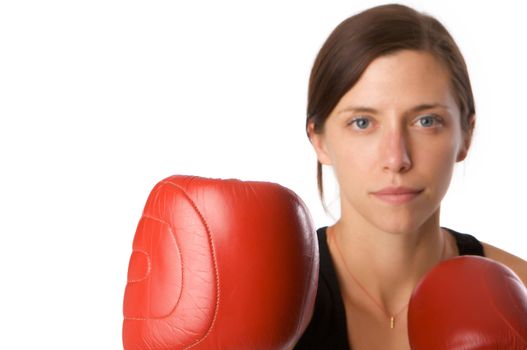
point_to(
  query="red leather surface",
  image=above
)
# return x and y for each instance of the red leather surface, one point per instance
(468, 303)
(220, 264)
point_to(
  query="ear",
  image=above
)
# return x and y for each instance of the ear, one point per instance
(319, 144)
(467, 139)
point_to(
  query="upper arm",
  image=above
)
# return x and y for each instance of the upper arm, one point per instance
(516, 264)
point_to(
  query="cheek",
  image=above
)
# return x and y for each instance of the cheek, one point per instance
(438, 162)
(353, 166)
(354, 161)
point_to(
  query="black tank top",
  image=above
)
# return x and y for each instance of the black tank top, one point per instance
(328, 329)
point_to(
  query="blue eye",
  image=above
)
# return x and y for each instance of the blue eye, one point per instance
(362, 123)
(428, 120)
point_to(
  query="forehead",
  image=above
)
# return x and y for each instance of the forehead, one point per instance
(402, 80)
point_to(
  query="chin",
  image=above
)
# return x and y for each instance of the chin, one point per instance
(402, 219)
(397, 229)
(399, 224)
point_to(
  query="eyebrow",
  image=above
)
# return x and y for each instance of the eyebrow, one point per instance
(418, 108)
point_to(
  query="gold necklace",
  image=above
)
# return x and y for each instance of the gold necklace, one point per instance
(379, 305)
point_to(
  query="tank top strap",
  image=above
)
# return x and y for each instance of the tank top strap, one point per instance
(467, 244)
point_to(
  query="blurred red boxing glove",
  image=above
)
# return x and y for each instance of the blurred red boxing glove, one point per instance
(468, 303)
(220, 264)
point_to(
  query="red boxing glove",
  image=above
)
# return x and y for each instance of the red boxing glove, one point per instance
(468, 303)
(220, 264)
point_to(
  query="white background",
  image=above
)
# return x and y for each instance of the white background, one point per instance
(99, 100)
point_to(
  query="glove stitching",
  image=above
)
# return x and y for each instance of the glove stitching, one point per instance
(216, 270)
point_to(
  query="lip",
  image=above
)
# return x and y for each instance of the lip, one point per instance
(397, 195)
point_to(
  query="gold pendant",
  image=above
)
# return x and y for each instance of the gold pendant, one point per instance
(392, 322)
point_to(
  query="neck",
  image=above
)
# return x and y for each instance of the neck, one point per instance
(388, 265)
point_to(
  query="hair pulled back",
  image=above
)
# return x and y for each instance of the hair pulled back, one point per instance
(362, 38)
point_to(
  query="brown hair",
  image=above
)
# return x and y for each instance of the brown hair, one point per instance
(362, 38)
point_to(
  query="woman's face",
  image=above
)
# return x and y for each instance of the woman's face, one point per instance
(399, 126)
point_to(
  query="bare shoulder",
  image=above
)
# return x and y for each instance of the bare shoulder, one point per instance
(515, 263)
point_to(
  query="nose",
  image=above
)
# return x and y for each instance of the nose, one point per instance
(396, 155)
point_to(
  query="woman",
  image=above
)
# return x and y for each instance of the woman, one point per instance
(391, 110)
